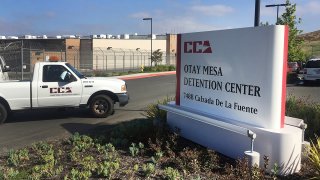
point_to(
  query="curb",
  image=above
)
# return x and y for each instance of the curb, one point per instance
(145, 75)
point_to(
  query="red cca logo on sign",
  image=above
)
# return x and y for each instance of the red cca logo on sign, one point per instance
(197, 47)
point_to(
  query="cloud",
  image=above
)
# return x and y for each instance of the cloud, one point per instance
(183, 25)
(50, 14)
(182, 19)
(213, 10)
(139, 15)
(312, 7)
(15, 28)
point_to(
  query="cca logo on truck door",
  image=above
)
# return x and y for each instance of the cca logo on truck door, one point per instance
(60, 90)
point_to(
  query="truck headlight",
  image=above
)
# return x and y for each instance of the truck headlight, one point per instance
(124, 88)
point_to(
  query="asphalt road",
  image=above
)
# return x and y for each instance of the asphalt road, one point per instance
(24, 128)
(310, 93)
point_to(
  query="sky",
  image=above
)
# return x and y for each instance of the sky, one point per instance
(87, 17)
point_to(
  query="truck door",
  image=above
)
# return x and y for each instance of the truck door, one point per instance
(58, 87)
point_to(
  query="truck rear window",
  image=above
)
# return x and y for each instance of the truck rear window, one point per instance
(313, 64)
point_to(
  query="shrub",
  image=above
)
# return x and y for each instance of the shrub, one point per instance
(209, 160)
(88, 163)
(9, 173)
(77, 174)
(188, 160)
(108, 169)
(44, 152)
(148, 169)
(171, 174)
(16, 157)
(81, 142)
(13, 158)
(154, 113)
(134, 150)
(314, 156)
(110, 148)
(156, 157)
(309, 112)
(159, 68)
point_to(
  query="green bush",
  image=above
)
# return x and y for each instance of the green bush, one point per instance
(9, 173)
(159, 68)
(171, 174)
(108, 169)
(81, 142)
(78, 174)
(314, 156)
(309, 112)
(134, 150)
(148, 169)
(154, 113)
(13, 158)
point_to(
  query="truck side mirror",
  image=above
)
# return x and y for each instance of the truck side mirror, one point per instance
(6, 69)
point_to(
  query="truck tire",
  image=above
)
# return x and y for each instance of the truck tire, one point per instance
(3, 113)
(101, 106)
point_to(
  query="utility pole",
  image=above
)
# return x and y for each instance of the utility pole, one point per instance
(277, 5)
(257, 14)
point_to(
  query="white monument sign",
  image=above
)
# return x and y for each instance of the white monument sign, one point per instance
(236, 74)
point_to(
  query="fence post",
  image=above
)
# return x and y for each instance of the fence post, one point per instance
(102, 58)
(61, 54)
(44, 56)
(124, 54)
(21, 59)
(133, 60)
(115, 60)
(107, 62)
(96, 62)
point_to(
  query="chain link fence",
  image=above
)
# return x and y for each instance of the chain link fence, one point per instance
(88, 61)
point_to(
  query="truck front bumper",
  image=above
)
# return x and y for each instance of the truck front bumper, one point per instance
(123, 99)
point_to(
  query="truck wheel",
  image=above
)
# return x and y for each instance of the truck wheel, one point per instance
(101, 106)
(3, 113)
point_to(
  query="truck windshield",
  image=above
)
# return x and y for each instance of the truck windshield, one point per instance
(79, 74)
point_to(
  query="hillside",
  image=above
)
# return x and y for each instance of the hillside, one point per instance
(311, 36)
(311, 44)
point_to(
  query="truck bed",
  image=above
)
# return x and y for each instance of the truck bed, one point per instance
(16, 93)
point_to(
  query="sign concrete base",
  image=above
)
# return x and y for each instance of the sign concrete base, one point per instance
(282, 146)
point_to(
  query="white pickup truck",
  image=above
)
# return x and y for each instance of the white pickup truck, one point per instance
(59, 85)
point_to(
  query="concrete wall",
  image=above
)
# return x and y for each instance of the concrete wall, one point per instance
(72, 52)
(86, 54)
(171, 49)
(143, 44)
